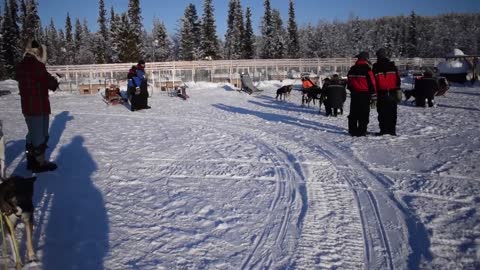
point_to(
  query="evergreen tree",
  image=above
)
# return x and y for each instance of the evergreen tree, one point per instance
(69, 44)
(278, 41)
(267, 29)
(248, 37)
(412, 41)
(77, 42)
(161, 41)
(102, 37)
(293, 47)
(209, 33)
(31, 26)
(189, 35)
(135, 18)
(87, 46)
(11, 36)
(234, 36)
(114, 45)
(52, 43)
(127, 47)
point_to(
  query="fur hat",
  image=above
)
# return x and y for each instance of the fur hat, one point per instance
(38, 50)
(381, 53)
(363, 55)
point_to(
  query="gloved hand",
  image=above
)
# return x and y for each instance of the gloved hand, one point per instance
(373, 101)
(137, 90)
(53, 84)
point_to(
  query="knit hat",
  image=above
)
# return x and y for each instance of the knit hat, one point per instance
(38, 50)
(141, 62)
(363, 55)
(381, 53)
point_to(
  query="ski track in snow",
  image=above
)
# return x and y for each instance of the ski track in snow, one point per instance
(231, 181)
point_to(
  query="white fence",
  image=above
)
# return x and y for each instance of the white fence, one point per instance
(90, 78)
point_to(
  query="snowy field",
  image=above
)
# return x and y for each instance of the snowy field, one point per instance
(226, 180)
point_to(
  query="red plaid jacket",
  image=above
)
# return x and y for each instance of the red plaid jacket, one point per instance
(33, 83)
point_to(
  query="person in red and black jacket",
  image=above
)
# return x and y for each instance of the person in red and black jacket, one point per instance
(387, 80)
(361, 84)
(34, 82)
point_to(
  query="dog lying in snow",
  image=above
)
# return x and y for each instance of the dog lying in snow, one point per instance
(284, 91)
(16, 201)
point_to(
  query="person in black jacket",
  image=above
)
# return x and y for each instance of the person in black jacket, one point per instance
(425, 89)
(387, 80)
(334, 96)
(361, 83)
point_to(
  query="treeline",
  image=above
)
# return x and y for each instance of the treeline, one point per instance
(121, 37)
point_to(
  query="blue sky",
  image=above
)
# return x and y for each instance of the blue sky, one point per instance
(307, 11)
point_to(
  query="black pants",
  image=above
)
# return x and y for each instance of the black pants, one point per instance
(140, 101)
(359, 114)
(387, 112)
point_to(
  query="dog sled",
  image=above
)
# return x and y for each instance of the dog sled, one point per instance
(112, 96)
(247, 85)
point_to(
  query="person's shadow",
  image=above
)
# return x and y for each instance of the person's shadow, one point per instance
(76, 230)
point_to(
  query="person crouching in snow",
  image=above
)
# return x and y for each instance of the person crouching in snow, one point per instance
(425, 89)
(34, 82)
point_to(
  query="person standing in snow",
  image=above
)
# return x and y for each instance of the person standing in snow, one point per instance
(143, 95)
(387, 80)
(361, 83)
(34, 82)
(133, 87)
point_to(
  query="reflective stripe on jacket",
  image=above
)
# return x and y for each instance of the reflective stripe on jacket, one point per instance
(386, 75)
(360, 78)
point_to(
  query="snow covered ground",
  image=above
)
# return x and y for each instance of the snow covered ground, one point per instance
(226, 180)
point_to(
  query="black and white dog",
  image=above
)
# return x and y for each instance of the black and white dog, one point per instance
(284, 91)
(16, 201)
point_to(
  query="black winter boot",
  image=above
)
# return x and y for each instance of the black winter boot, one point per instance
(39, 162)
(30, 156)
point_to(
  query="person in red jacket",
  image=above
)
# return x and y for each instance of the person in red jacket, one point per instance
(387, 80)
(361, 83)
(34, 82)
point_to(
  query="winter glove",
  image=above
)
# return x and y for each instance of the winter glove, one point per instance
(137, 90)
(52, 83)
(373, 101)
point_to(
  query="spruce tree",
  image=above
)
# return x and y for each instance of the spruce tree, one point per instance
(293, 47)
(135, 18)
(189, 35)
(234, 47)
(52, 43)
(267, 47)
(162, 43)
(127, 47)
(248, 37)
(11, 49)
(209, 33)
(114, 45)
(412, 36)
(278, 39)
(102, 38)
(69, 44)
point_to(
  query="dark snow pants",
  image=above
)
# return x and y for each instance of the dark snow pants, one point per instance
(359, 113)
(387, 112)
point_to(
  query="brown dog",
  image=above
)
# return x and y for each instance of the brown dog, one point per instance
(16, 201)
(284, 91)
